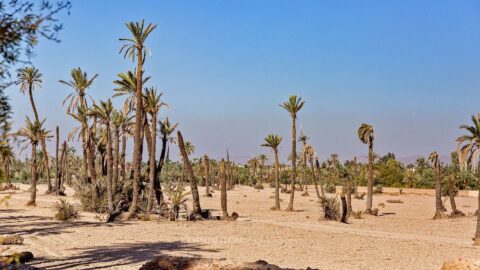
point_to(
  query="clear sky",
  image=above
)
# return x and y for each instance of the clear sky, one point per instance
(410, 68)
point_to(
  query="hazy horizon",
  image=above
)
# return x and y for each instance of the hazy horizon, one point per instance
(407, 68)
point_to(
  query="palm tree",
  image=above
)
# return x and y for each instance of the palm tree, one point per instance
(367, 136)
(104, 113)
(303, 139)
(293, 106)
(117, 121)
(153, 103)
(126, 86)
(135, 49)
(166, 129)
(262, 158)
(33, 133)
(28, 79)
(197, 210)
(79, 82)
(273, 141)
(434, 159)
(469, 153)
(311, 154)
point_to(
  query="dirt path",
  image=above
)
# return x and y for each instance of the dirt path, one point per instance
(404, 237)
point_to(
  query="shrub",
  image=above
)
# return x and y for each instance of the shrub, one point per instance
(85, 194)
(378, 189)
(178, 200)
(330, 188)
(357, 215)
(65, 211)
(331, 208)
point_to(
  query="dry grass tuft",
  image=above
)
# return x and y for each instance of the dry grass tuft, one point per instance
(65, 211)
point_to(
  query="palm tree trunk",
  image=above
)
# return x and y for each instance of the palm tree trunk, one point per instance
(116, 158)
(151, 184)
(223, 190)
(109, 158)
(57, 145)
(320, 182)
(197, 210)
(349, 198)
(137, 138)
(61, 172)
(477, 231)
(158, 172)
(305, 169)
(123, 168)
(33, 187)
(370, 179)
(206, 173)
(42, 141)
(91, 167)
(438, 194)
(277, 180)
(294, 163)
(314, 177)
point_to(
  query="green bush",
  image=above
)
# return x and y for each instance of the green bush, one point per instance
(65, 211)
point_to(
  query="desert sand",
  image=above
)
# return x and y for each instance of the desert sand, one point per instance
(404, 236)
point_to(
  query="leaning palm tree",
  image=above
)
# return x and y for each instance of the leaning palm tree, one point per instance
(33, 133)
(28, 79)
(273, 141)
(293, 106)
(79, 82)
(103, 112)
(367, 136)
(434, 159)
(469, 153)
(153, 104)
(135, 49)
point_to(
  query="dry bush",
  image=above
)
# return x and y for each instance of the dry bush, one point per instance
(330, 188)
(331, 208)
(258, 186)
(357, 215)
(65, 211)
(378, 189)
(381, 205)
(395, 201)
(11, 240)
(85, 194)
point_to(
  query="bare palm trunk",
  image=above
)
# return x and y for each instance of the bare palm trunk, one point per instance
(57, 145)
(151, 184)
(349, 198)
(438, 193)
(223, 190)
(116, 159)
(477, 231)
(197, 210)
(206, 173)
(370, 179)
(137, 139)
(42, 141)
(314, 178)
(305, 183)
(294, 163)
(158, 172)
(277, 180)
(123, 168)
(91, 168)
(109, 158)
(33, 187)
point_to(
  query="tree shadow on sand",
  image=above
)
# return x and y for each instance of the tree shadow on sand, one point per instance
(118, 255)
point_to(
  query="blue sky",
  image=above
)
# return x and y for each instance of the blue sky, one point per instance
(410, 68)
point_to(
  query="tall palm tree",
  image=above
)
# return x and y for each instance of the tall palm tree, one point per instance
(104, 113)
(79, 82)
(153, 104)
(469, 153)
(135, 49)
(293, 106)
(33, 133)
(367, 136)
(166, 129)
(7, 157)
(434, 159)
(273, 141)
(303, 139)
(28, 79)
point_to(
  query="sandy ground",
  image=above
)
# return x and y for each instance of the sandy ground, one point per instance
(403, 237)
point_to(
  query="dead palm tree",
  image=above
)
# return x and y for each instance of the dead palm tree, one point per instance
(33, 133)
(293, 106)
(135, 49)
(28, 79)
(367, 136)
(469, 153)
(434, 159)
(104, 113)
(273, 141)
(153, 104)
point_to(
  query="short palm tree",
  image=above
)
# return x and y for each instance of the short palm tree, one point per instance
(293, 106)
(33, 133)
(103, 112)
(79, 82)
(367, 136)
(434, 159)
(273, 141)
(469, 153)
(135, 49)
(166, 130)
(29, 78)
